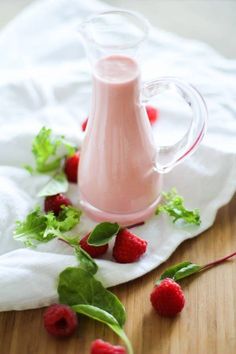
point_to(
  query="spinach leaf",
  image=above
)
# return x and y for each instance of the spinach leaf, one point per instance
(79, 287)
(106, 318)
(103, 233)
(58, 184)
(86, 261)
(187, 271)
(179, 271)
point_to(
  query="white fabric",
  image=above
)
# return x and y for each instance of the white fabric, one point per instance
(44, 80)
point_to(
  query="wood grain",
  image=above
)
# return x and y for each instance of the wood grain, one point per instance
(206, 325)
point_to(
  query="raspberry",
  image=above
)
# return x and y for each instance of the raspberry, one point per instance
(84, 124)
(93, 251)
(60, 320)
(101, 347)
(152, 113)
(128, 247)
(54, 203)
(167, 298)
(71, 167)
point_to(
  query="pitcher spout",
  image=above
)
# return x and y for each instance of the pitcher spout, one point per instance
(103, 34)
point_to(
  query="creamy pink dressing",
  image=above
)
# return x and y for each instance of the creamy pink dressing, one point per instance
(117, 165)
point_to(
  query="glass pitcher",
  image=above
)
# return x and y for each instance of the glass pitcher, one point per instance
(120, 172)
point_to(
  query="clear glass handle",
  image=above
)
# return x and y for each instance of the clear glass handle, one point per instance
(169, 156)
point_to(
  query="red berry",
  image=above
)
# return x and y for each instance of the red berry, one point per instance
(84, 124)
(60, 320)
(93, 251)
(71, 167)
(167, 298)
(101, 347)
(128, 247)
(55, 202)
(152, 113)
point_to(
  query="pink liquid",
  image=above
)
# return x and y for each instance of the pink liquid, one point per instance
(117, 176)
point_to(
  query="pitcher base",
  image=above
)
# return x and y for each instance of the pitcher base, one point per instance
(99, 215)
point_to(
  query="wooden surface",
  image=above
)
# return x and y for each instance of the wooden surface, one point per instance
(207, 324)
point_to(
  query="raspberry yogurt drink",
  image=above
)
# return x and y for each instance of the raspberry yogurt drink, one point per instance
(120, 170)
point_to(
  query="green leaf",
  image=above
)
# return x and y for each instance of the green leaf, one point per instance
(106, 318)
(103, 233)
(79, 287)
(121, 333)
(58, 184)
(173, 204)
(32, 230)
(40, 228)
(86, 261)
(179, 271)
(95, 313)
(187, 271)
(45, 149)
(67, 219)
(171, 271)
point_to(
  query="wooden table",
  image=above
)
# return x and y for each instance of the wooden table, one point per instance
(207, 324)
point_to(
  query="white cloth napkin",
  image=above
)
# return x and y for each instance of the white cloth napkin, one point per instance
(44, 80)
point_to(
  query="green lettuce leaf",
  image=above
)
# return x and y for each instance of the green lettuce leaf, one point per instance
(40, 228)
(173, 205)
(45, 150)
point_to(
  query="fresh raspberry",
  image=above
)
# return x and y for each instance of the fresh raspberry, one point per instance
(84, 124)
(152, 113)
(55, 202)
(60, 320)
(100, 347)
(71, 167)
(93, 251)
(128, 247)
(167, 298)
